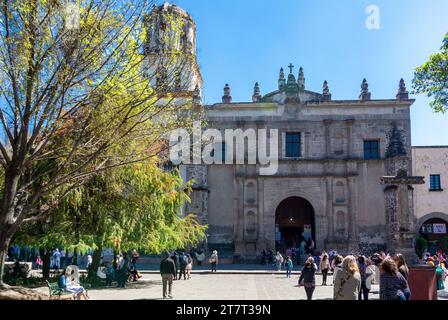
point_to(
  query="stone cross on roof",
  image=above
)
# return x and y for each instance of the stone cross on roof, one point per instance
(291, 67)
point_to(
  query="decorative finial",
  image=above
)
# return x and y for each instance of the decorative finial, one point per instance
(301, 79)
(365, 94)
(256, 97)
(402, 94)
(281, 80)
(227, 98)
(326, 91)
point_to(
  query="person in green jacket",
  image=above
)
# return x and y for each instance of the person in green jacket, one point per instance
(440, 276)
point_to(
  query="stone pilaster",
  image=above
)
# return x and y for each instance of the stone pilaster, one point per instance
(353, 236)
(327, 125)
(329, 207)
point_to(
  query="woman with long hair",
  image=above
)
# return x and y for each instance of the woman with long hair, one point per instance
(348, 280)
(393, 286)
(401, 265)
(307, 277)
(324, 267)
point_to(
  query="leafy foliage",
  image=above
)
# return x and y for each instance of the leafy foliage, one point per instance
(432, 78)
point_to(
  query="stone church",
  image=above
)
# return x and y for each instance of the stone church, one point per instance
(332, 155)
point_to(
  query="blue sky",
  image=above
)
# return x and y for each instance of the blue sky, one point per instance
(243, 41)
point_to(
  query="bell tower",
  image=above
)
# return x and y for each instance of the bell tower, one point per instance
(170, 51)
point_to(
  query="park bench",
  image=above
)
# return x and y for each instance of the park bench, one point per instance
(58, 292)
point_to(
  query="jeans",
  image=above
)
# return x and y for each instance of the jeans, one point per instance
(213, 266)
(122, 278)
(288, 273)
(167, 279)
(324, 276)
(309, 289)
(363, 292)
(182, 271)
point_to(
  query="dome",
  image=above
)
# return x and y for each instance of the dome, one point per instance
(171, 8)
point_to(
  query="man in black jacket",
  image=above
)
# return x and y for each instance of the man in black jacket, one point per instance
(175, 258)
(167, 270)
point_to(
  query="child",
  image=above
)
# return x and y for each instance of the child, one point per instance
(39, 263)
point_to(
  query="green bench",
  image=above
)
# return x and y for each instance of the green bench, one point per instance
(58, 292)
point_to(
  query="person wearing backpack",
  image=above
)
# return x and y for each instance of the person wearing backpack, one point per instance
(307, 277)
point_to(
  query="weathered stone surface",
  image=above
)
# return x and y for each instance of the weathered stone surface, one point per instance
(19, 293)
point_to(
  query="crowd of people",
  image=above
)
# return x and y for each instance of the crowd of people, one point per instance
(176, 265)
(353, 276)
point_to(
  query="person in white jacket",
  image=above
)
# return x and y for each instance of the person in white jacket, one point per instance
(370, 274)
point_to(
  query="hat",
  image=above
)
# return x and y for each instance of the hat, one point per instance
(215, 252)
(430, 259)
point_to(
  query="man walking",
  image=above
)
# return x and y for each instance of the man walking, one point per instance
(175, 258)
(167, 271)
(57, 259)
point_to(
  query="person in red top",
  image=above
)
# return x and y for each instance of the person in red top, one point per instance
(39, 263)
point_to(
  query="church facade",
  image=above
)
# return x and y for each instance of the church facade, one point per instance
(331, 157)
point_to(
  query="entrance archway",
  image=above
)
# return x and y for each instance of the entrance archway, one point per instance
(433, 227)
(294, 221)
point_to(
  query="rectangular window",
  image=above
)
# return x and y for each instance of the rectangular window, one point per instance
(434, 182)
(223, 152)
(371, 149)
(292, 144)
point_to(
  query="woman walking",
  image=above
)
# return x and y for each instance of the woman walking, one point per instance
(348, 280)
(189, 266)
(278, 261)
(324, 267)
(288, 266)
(307, 277)
(214, 260)
(393, 286)
(366, 271)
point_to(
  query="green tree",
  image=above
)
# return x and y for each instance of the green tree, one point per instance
(135, 206)
(432, 78)
(74, 90)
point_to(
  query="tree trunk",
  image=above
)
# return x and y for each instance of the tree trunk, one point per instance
(45, 256)
(4, 245)
(96, 259)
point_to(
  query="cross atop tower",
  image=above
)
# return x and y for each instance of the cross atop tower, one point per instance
(291, 66)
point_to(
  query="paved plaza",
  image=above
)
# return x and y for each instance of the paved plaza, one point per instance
(207, 286)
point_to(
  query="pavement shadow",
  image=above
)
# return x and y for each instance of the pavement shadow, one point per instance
(134, 285)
